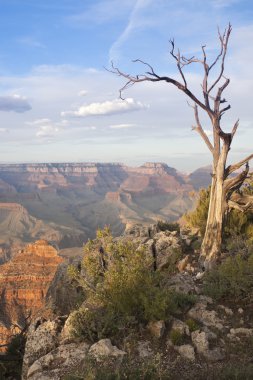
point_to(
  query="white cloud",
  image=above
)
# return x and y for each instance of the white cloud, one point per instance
(121, 126)
(83, 93)
(38, 122)
(47, 131)
(109, 107)
(48, 128)
(15, 103)
(3, 130)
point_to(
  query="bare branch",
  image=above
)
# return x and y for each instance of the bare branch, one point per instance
(241, 207)
(178, 60)
(221, 50)
(232, 168)
(200, 130)
(153, 77)
(224, 41)
(233, 184)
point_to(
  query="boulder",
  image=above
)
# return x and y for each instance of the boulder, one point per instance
(186, 350)
(104, 349)
(167, 248)
(180, 326)
(42, 337)
(200, 341)
(58, 362)
(156, 328)
(208, 318)
(183, 282)
(242, 331)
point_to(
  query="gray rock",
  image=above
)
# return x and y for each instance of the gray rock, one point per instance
(208, 317)
(58, 362)
(200, 275)
(226, 310)
(144, 349)
(183, 282)
(42, 338)
(182, 327)
(104, 348)
(156, 328)
(215, 355)
(186, 350)
(242, 331)
(167, 247)
(200, 341)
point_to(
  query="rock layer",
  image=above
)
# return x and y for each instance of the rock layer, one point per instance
(24, 282)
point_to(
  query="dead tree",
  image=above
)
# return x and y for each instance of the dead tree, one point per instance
(223, 185)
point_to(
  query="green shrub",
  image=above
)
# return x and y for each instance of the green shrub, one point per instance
(232, 279)
(192, 324)
(168, 226)
(93, 324)
(176, 337)
(198, 217)
(121, 289)
(237, 223)
(182, 301)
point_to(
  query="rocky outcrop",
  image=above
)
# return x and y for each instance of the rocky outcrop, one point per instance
(24, 282)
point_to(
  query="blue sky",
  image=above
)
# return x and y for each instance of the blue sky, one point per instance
(59, 104)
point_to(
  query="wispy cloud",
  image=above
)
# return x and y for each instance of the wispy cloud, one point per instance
(109, 107)
(38, 122)
(223, 3)
(47, 128)
(15, 103)
(121, 126)
(3, 130)
(30, 41)
(102, 12)
(133, 23)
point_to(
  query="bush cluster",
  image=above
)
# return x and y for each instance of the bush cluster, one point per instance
(121, 289)
(168, 226)
(237, 223)
(232, 279)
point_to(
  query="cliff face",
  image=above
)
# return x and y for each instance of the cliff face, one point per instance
(24, 282)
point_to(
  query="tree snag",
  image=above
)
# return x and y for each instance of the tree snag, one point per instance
(224, 193)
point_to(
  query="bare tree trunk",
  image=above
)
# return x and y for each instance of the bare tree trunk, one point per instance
(211, 245)
(224, 192)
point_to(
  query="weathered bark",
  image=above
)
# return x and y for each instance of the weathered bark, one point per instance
(222, 187)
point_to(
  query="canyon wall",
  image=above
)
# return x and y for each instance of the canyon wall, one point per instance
(24, 282)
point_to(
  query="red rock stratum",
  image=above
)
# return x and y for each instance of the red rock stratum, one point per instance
(24, 282)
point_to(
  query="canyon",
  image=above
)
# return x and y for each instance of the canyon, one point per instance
(65, 203)
(47, 211)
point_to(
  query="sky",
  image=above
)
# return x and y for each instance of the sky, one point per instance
(59, 103)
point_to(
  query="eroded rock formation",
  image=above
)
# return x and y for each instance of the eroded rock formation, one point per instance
(24, 282)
